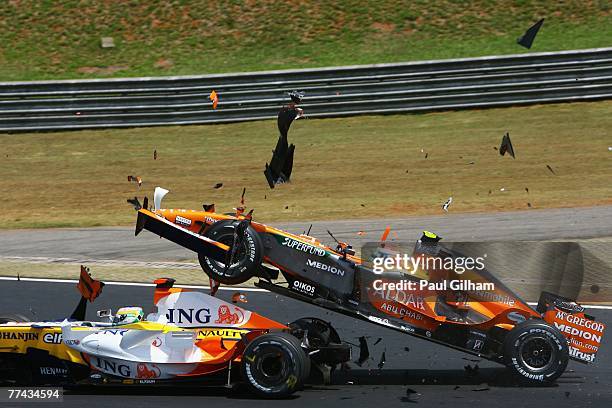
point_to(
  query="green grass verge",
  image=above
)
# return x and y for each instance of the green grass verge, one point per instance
(368, 166)
(44, 39)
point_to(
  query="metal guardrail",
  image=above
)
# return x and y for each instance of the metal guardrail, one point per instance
(568, 76)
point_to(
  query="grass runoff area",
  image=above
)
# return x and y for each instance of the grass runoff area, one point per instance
(359, 167)
(106, 273)
(48, 39)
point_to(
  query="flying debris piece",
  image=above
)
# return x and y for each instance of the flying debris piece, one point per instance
(134, 201)
(506, 146)
(363, 205)
(155, 154)
(296, 96)
(481, 389)
(214, 286)
(526, 40)
(407, 349)
(426, 155)
(135, 179)
(364, 352)
(527, 190)
(471, 162)
(361, 233)
(281, 164)
(285, 118)
(209, 207)
(489, 191)
(529, 205)
(378, 341)
(214, 98)
(89, 288)
(551, 170)
(385, 235)
(239, 297)
(502, 189)
(456, 388)
(447, 204)
(381, 363)
(411, 395)
(218, 186)
(609, 149)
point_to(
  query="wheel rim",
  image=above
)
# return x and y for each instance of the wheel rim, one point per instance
(271, 368)
(238, 256)
(537, 353)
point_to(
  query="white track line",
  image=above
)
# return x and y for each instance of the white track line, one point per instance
(234, 288)
(102, 262)
(50, 280)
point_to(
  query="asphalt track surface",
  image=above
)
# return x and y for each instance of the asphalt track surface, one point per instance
(415, 371)
(118, 243)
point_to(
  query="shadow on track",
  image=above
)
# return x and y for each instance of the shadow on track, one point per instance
(237, 392)
(495, 377)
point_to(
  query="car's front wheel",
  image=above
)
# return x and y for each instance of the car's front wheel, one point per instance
(536, 351)
(247, 257)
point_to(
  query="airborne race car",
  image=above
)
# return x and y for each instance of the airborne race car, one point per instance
(481, 316)
(192, 339)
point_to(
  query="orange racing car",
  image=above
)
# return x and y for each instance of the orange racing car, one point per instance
(471, 310)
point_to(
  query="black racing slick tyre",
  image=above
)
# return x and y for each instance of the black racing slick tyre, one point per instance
(13, 318)
(536, 351)
(274, 365)
(247, 258)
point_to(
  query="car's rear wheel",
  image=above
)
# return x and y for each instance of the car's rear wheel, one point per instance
(536, 351)
(274, 365)
(247, 257)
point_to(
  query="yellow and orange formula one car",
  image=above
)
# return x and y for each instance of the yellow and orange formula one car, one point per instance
(469, 310)
(192, 339)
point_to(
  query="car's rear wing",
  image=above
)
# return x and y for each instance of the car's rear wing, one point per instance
(582, 331)
(202, 245)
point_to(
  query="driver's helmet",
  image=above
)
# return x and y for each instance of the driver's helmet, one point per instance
(127, 315)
